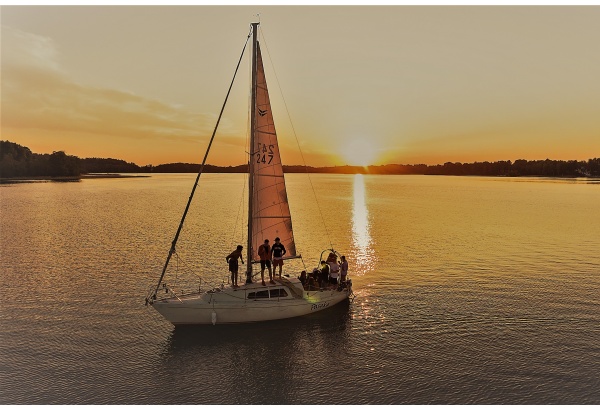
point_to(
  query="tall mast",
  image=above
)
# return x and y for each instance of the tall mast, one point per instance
(251, 151)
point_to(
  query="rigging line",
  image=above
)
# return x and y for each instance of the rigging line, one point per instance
(297, 141)
(187, 207)
(238, 216)
(237, 219)
(185, 266)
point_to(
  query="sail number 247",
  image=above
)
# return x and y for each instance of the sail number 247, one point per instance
(264, 155)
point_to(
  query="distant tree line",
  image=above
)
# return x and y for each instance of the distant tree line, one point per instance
(111, 166)
(181, 167)
(18, 161)
(519, 168)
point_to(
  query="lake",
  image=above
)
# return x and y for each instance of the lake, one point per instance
(468, 291)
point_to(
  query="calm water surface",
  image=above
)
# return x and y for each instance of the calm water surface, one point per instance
(469, 291)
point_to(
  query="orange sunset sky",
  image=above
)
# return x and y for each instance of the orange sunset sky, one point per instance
(363, 85)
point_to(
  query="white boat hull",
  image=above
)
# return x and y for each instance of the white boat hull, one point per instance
(229, 305)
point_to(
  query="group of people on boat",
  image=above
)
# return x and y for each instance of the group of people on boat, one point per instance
(267, 254)
(332, 274)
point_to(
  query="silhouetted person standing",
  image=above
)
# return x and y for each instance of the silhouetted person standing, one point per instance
(344, 269)
(232, 259)
(277, 252)
(264, 251)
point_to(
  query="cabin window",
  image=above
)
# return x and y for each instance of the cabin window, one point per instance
(278, 293)
(258, 295)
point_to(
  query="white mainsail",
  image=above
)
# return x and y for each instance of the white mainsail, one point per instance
(271, 212)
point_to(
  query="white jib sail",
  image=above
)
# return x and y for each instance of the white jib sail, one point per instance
(271, 213)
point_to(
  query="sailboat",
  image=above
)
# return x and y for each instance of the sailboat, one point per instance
(269, 217)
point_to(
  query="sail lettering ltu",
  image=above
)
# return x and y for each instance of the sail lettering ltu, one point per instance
(271, 212)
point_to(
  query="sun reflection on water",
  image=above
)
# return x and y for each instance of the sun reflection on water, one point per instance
(361, 236)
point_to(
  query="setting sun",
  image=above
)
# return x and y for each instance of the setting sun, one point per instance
(359, 152)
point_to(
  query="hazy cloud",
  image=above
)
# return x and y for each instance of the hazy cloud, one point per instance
(38, 94)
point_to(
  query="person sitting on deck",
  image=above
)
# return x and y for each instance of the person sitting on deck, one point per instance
(303, 278)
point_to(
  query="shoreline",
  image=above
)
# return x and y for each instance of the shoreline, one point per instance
(25, 180)
(39, 179)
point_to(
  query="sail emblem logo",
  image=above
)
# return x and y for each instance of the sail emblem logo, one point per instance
(262, 113)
